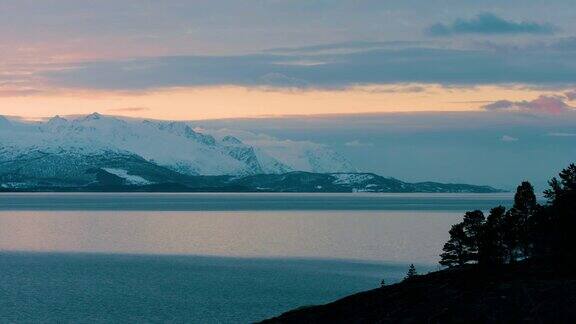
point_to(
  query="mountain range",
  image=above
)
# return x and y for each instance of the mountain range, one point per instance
(97, 152)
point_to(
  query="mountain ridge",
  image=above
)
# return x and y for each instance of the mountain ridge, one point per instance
(119, 180)
(98, 153)
(170, 144)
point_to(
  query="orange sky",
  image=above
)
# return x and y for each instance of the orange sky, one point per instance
(234, 101)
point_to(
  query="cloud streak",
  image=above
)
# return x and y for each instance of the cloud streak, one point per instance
(379, 66)
(489, 24)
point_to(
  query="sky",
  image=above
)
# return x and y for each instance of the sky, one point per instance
(269, 59)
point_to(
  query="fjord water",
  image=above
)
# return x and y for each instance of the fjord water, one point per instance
(210, 258)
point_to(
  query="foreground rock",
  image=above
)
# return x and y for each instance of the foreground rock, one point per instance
(534, 292)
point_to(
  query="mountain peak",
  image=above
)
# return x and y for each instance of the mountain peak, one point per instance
(183, 129)
(57, 120)
(93, 116)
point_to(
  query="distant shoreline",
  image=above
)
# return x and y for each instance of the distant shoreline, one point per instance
(297, 182)
(214, 201)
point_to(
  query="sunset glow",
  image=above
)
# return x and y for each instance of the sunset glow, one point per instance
(234, 101)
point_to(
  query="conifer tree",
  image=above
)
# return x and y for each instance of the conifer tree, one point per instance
(524, 208)
(412, 273)
(491, 250)
(454, 250)
(561, 213)
(473, 225)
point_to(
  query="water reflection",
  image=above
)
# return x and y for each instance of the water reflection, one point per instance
(412, 236)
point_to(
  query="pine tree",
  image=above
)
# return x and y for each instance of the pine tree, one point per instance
(525, 206)
(454, 250)
(525, 199)
(412, 273)
(516, 224)
(491, 249)
(561, 213)
(563, 190)
(473, 225)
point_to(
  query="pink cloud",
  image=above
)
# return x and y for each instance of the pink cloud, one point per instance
(543, 104)
(571, 95)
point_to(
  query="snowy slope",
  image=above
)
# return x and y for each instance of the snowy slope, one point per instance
(76, 142)
(298, 155)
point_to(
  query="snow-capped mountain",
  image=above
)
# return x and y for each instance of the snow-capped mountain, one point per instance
(79, 147)
(298, 155)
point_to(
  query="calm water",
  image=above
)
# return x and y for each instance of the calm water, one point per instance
(248, 201)
(210, 258)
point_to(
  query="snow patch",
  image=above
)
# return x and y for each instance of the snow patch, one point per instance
(130, 178)
(351, 178)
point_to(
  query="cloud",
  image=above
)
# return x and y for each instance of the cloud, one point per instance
(281, 80)
(381, 66)
(402, 88)
(543, 104)
(565, 44)
(570, 95)
(508, 138)
(489, 24)
(357, 143)
(346, 47)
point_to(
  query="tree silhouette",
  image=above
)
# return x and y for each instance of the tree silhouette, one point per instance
(454, 250)
(525, 206)
(412, 273)
(560, 214)
(526, 230)
(464, 240)
(564, 190)
(473, 226)
(525, 199)
(491, 250)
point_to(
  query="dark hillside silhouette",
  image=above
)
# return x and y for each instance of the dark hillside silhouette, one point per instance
(512, 266)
